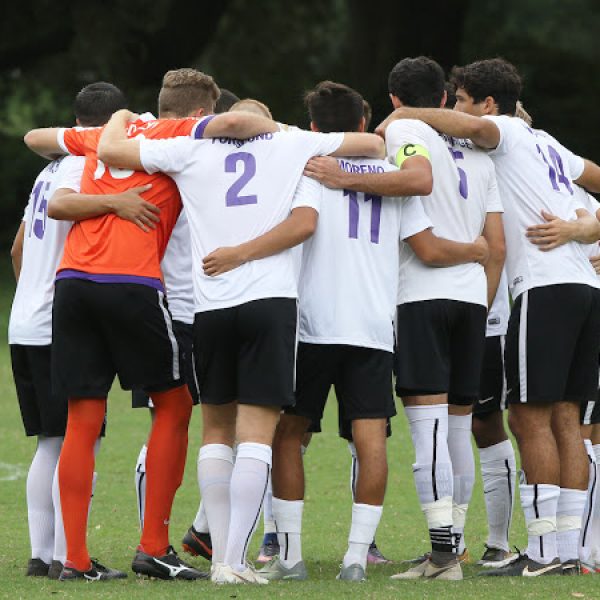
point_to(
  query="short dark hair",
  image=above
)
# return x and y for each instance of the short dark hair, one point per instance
(493, 77)
(186, 90)
(417, 82)
(368, 114)
(226, 100)
(96, 102)
(334, 107)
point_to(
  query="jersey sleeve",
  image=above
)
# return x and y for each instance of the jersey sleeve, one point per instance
(494, 203)
(413, 219)
(575, 163)
(507, 133)
(71, 171)
(405, 138)
(308, 194)
(318, 144)
(168, 156)
(77, 140)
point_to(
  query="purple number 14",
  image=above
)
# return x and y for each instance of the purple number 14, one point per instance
(354, 211)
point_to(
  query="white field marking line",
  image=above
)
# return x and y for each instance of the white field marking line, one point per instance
(10, 472)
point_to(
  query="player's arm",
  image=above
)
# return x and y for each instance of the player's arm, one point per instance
(44, 142)
(556, 232)
(361, 144)
(590, 178)
(68, 205)
(493, 232)
(237, 124)
(297, 228)
(440, 252)
(16, 251)
(114, 148)
(483, 132)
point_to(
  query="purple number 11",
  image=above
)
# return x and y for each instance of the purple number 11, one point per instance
(354, 212)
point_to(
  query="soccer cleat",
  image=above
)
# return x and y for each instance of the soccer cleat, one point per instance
(429, 570)
(494, 558)
(269, 548)
(55, 569)
(275, 571)
(524, 566)
(572, 567)
(197, 543)
(588, 569)
(169, 566)
(224, 574)
(36, 567)
(374, 556)
(353, 572)
(96, 572)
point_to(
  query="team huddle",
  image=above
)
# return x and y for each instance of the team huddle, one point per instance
(214, 256)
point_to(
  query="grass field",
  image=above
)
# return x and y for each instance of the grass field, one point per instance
(113, 531)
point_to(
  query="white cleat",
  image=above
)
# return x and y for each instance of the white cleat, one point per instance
(429, 570)
(224, 574)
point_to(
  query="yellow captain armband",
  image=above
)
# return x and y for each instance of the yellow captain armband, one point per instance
(410, 150)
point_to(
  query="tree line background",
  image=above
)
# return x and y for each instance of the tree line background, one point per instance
(274, 51)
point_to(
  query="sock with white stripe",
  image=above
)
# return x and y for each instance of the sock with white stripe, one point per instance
(140, 484)
(498, 471)
(248, 487)
(433, 474)
(463, 469)
(215, 466)
(201, 522)
(569, 512)
(595, 518)
(268, 518)
(288, 518)
(353, 469)
(40, 508)
(586, 541)
(540, 505)
(365, 520)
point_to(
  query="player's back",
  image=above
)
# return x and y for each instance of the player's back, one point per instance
(31, 314)
(234, 191)
(108, 244)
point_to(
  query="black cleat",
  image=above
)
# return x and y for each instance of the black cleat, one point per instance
(169, 566)
(97, 572)
(525, 567)
(36, 567)
(55, 569)
(571, 567)
(197, 543)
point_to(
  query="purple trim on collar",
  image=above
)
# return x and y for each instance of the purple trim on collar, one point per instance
(199, 131)
(108, 278)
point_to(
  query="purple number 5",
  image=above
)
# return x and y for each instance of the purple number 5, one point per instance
(233, 197)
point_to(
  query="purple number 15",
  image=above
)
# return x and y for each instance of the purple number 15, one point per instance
(233, 197)
(354, 211)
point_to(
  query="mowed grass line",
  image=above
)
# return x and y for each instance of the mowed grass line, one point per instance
(113, 531)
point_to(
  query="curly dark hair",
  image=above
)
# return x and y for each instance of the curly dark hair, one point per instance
(334, 107)
(494, 77)
(417, 82)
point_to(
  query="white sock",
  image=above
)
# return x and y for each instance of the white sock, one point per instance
(463, 469)
(540, 505)
(353, 469)
(248, 486)
(288, 518)
(365, 519)
(40, 508)
(140, 484)
(595, 518)
(201, 522)
(215, 465)
(433, 479)
(569, 512)
(268, 518)
(586, 547)
(499, 472)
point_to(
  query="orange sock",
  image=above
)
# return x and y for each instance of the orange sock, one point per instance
(165, 463)
(75, 474)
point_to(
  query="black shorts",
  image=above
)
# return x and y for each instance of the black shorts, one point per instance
(345, 428)
(362, 378)
(247, 353)
(100, 330)
(492, 396)
(184, 332)
(552, 345)
(43, 409)
(439, 349)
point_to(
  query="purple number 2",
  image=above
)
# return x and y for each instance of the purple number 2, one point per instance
(233, 198)
(354, 212)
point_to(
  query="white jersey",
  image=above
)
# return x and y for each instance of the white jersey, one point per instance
(592, 206)
(31, 315)
(499, 313)
(176, 267)
(535, 172)
(461, 198)
(233, 191)
(349, 275)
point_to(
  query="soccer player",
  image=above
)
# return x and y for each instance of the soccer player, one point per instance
(37, 252)
(550, 370)
(441, 311)
(110, 316)
(245, 324)
(225, 101)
